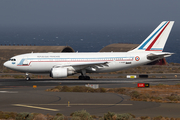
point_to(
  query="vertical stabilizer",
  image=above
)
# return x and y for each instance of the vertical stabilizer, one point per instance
(157, 39)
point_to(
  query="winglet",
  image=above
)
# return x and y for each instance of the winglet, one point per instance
(157, 39)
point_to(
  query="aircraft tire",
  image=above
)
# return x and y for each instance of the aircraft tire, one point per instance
(84, 77)
(28, 78)
(81, 77)
(87, 78)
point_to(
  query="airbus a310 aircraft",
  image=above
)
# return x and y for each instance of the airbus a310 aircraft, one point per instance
(60, 65)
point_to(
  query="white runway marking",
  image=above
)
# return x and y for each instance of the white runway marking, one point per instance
(8, 91)
(21, 105)
(84, 104)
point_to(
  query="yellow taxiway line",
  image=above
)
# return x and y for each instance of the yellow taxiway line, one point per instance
(35, 105)
(21, 105)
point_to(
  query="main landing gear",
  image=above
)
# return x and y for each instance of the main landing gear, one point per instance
(27, 77)
(83, 75)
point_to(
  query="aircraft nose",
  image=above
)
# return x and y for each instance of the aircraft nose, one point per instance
(6, 64)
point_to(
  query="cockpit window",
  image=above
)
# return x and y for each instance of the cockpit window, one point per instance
(12, 59)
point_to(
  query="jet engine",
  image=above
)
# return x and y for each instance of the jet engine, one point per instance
(60, 72)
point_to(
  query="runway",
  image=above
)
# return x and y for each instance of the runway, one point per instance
(106, 83)
(18, 95)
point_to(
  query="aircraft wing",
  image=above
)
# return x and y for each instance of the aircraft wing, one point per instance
(156, 56)
(85, 65)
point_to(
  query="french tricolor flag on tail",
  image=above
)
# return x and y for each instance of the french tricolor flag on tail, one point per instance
(157, 39)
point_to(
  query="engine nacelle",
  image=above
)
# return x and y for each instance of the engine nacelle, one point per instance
(60, 72)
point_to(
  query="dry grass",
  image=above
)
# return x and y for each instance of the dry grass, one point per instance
(77, 115)
(158, 93)
(75, 89)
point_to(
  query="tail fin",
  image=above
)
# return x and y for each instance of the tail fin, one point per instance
(157, 39)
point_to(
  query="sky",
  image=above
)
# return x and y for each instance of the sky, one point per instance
(87, 13)
(138, 18)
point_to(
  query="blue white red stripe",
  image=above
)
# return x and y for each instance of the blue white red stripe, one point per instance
(39, 60)
(149, 48)
(152, 43)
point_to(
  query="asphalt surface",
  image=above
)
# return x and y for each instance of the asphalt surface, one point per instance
(18, 95)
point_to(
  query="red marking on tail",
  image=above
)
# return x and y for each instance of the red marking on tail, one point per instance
(150, 46)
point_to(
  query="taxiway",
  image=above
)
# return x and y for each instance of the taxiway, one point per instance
(18, 95)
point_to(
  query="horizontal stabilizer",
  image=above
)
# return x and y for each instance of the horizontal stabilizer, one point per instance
(156, 56)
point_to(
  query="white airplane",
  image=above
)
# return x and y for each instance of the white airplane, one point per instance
(60, 65)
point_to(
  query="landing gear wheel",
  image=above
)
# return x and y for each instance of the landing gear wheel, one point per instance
(81, 77)
(87, 78)
(28, 78)
(84, 77)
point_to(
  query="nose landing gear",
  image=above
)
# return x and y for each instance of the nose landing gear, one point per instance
(27, 77)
